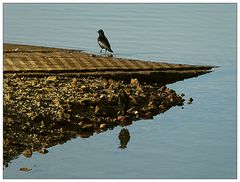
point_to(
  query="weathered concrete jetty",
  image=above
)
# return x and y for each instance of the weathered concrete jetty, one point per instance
(51, 95)
(36, 60)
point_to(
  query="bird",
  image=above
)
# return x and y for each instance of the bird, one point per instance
(103, 42)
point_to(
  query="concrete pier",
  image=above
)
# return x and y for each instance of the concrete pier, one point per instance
(52, 95)
(36, 60)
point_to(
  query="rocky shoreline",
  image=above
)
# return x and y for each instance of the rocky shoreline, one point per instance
(40, 112)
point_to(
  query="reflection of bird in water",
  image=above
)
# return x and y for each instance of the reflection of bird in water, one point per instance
(123, 102)
(124, 137)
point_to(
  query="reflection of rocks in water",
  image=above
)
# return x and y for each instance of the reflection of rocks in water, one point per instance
(40, 112)
(124, 137)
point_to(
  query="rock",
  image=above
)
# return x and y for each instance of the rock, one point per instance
(87, 126)
(112, 99)
(25, 169)
(97, 110)
(162, 89)
(190, 101)
(135, 82)
(7, 97)
(85, 134)
(87, 101)
(103, 126)
(74, 82)
(152, 104)
(170, 91)
(162, 108)
(182, 94)
(43, 151)
(180, 104)
(31, 115)
(124, 120)
(154, 98)
(132, 111)
(52, 78)
(9, 121)
(142, 95)
(153, 107)
(27, 152)
(133, 98)
(148, 115)
(102, 96)
(84, 88)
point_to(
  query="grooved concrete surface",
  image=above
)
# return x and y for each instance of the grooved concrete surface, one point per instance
(24, 58)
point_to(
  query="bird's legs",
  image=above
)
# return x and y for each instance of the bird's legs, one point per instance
(101, 51)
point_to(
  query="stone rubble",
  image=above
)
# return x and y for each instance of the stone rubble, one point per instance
(40, 112)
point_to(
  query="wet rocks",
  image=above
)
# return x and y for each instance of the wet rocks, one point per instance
(27, 152)
(190, 101)
(40, 112)
(51, 78)
(124, 120)
(25, 169)
(43, 151)
(103, 126)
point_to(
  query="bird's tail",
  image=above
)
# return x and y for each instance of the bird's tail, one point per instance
(110, 50)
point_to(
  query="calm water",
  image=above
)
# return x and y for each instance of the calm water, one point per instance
(198, 141)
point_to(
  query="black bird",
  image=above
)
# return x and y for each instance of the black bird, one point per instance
(103, 42)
